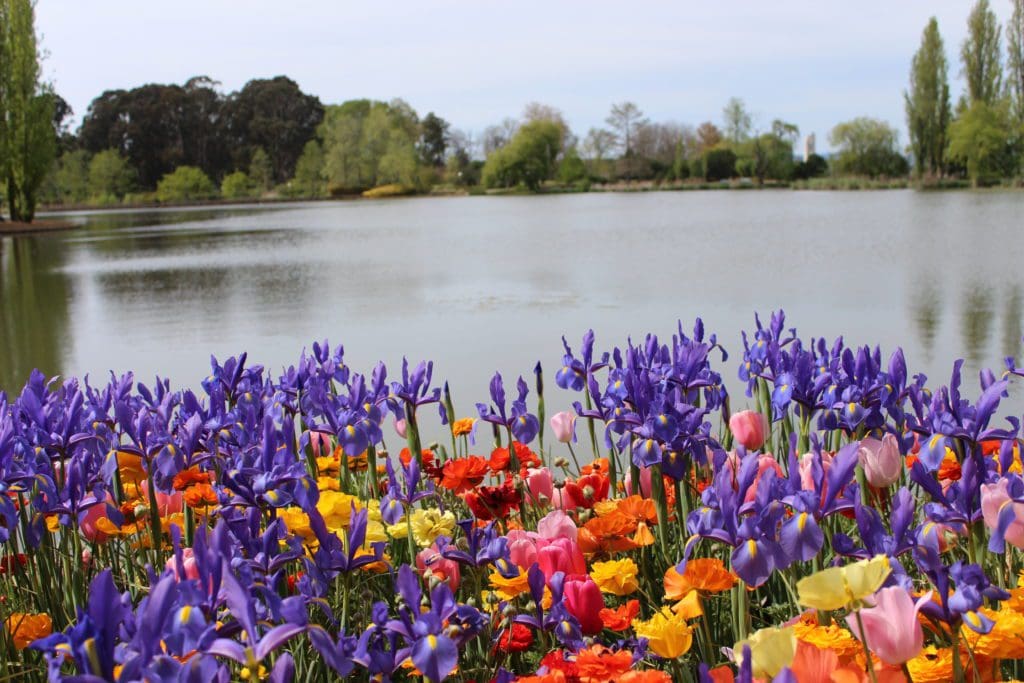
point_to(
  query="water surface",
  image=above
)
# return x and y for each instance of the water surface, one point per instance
(480, 284)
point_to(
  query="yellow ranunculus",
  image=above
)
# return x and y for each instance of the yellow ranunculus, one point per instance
(841, 587)
(336, 508)
(617, 577)
(427, 525)
(771, 649)
(667, 633)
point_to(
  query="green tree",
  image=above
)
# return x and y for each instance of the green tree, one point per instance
(719, 163)
(529, 159)
(981, 55)
(309, 171)
(1015, 58)
(28, 143)
(110, 176)
(366, 144)
(867, 147)
(624, 119)
(68, 183)
(185, 183)
(571, 169)
(769, 156)
(260, 171)
(236, 185)
(927, 102)
(737, 121)
(986, 140)
(433, 141)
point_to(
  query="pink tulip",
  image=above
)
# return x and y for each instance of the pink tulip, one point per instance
(540, 483)
(996, 501)
(522, 547)
(765, 462)
(400, 428)
(563, 424)
(557, 524)
(583, 600)
(645, 482)
(321, 444)
(749, 428)
(430, 559)
(891, 627)
(188, 564)
(881, 460)
(560, 555)
(87, 521)
(166, 503)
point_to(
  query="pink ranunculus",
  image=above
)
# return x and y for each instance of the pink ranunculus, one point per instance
(320, 443)
(539, 482)
(749, 428)
(645, 483)
(881, 460)
(891, 627)
(560, 555)
(400, 428)
(563, 424)
(996, 500)
(557, 524)
(584, 601)
(188, 564)
(431, 560)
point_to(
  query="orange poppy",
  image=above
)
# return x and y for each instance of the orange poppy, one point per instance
(621, 617)
(649, 676)
(500, 459)
(463, 474)
(638, 509)
(707, 575)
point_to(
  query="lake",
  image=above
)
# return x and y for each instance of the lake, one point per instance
(480, 284)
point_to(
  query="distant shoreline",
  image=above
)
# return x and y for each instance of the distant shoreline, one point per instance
(851, 184)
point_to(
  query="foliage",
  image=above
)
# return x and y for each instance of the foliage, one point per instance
(433, 140)
(927, 103)
(624, 119)
(1015, 59)
(768, 156)
(390, 190)
(815, 166)
(368, 143)
(185, 183)
(986, 139)
(981, 57)
(273, 115)
(719, 163)
(68, 182)
(28, 143)
(528, 160)
(867, 147)
(571, 169)
(110, 175)
(309, 172)
(260, 172)
(237, 185)
(737, 121)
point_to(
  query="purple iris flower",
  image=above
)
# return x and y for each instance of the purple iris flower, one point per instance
(484, 545)
(517, 418)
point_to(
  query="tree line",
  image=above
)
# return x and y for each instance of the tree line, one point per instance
(170, 143)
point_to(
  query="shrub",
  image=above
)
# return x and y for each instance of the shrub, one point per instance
(236, 186)
(390, 190)
(186, 183)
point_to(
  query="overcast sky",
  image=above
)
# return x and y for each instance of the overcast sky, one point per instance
(811, 62)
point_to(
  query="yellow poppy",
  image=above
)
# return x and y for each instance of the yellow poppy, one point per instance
(841, 587)
(771, 649)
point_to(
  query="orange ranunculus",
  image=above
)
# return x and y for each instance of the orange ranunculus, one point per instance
(200, 495)
(463, 426)
(598, 466)
(500, 459)
(609, 534)
(190, 477)
(24, 628)
(707, 575)
(555, 676)
(648, 676)
(131, 467)
(598, 664)
(463, 474)
(620, 618)
(516, 638)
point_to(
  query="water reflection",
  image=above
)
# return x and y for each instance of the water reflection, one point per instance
(927, 315)
(34, 300)
(976, 320)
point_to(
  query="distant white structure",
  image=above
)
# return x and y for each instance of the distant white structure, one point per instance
(808, 146)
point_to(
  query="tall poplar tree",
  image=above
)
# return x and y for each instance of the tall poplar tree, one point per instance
(28, 143)
(927, 102)
(981, 55)
(1015, 58)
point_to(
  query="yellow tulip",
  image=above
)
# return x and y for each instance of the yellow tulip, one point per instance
(842, 587)
(771, 649)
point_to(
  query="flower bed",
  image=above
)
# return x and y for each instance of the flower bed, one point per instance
(852, 524)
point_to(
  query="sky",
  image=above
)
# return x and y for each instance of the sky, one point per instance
(811, 62)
